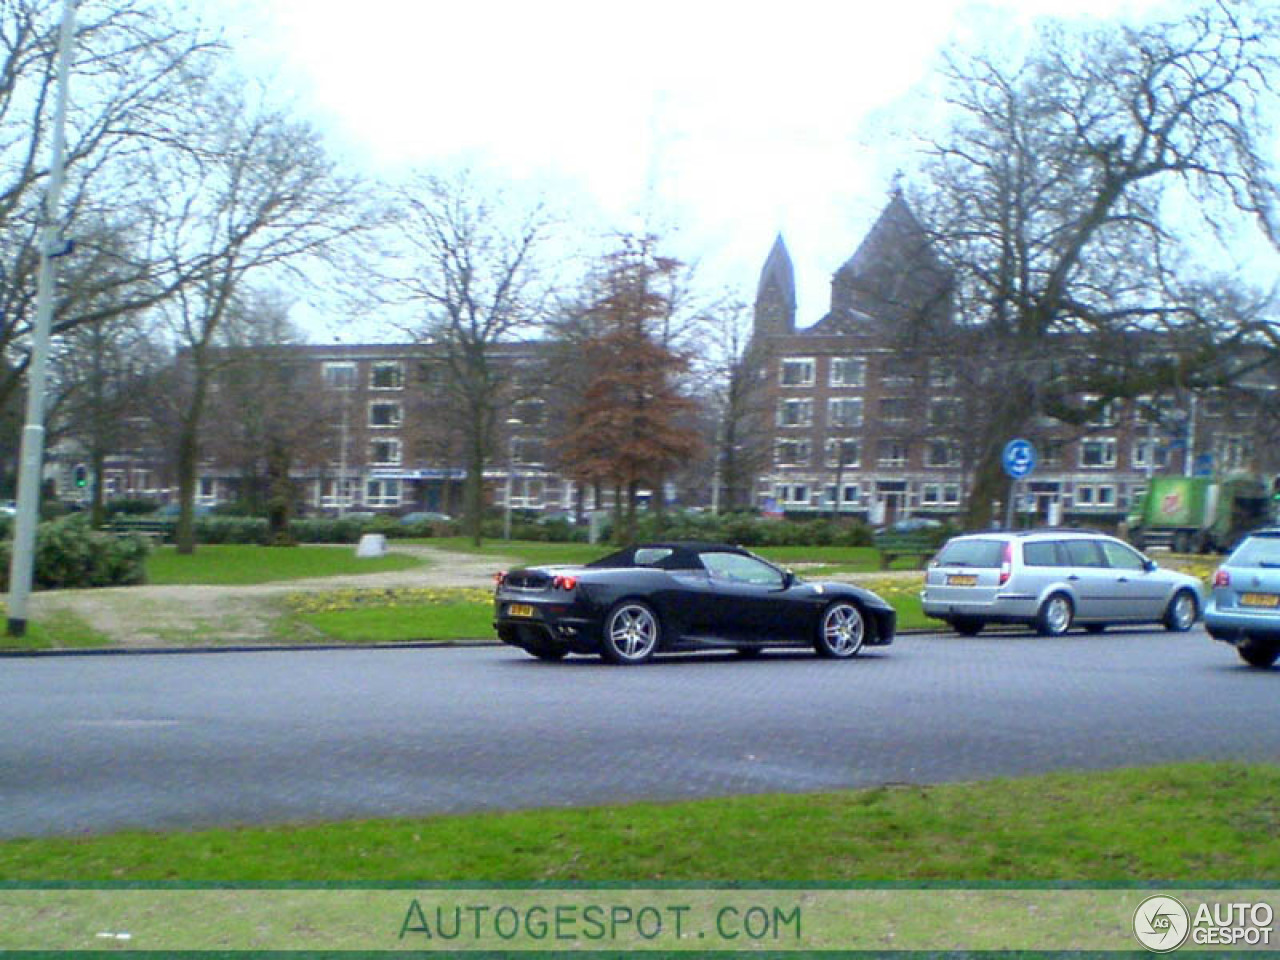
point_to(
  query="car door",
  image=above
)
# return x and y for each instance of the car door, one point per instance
(749, 595)
(1132, 592)
(1088, 576)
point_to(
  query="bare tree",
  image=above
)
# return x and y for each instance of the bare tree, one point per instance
(469, 268)
(131, 81)
(253, 196)
(1047, 200)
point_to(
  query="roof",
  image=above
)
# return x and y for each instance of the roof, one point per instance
(779, 273)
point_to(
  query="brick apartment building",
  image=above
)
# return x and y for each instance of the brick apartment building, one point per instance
(861, 423)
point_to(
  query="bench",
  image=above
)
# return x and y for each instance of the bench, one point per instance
(157, 529)
(921, 544)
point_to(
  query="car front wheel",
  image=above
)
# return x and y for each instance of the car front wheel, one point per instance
(631, 633)
(1182, 612)
(841, 632)
(1054, 618)
(1259, 653)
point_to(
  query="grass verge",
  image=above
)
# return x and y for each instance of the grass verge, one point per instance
(241, 564)
(1156, 824)
(55, 630)
(390, 616)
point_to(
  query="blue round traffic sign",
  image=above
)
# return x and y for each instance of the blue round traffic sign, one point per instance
(1019, 458)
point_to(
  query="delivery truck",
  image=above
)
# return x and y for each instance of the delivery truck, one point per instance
(1199, 514)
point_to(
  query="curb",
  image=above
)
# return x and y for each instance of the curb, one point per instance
(297, 647)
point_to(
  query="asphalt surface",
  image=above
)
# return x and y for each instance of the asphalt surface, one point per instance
(94, 744)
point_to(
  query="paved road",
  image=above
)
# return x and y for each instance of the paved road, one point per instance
(104, 743)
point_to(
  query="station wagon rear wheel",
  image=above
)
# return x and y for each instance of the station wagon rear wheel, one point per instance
(841, 632)
(1054, 618)
(1259, 653)
(631, 633)
(1182, 612)
(966, 627)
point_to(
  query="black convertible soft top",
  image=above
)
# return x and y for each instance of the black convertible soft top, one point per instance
(670, 555)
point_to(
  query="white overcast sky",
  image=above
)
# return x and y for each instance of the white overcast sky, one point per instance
(722, 123)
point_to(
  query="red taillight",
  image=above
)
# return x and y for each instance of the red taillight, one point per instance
(1221, 578)
(499, 578)
(564, 583)
(1006, 564)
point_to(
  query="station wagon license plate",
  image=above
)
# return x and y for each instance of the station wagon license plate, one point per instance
(962, 580)
(519, 610)
(1259, 600)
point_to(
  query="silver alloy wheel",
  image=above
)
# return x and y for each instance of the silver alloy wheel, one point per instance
(1055, 615)
(631, 633)
(1182, 612)
(843, 631)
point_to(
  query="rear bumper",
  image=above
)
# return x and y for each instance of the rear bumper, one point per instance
(1234, 625)
(1001, 609)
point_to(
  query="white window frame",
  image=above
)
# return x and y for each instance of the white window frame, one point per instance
(901, 453)
(398, 377)
(857, 366)
(808, 367)
(396, 419)
(834, 448)
(835, 404)
(382, 492)
(801, 456)
(394, 442)
(804, 416)
(950, 448)
(890, 415)
(349, 370)
(1108, 449)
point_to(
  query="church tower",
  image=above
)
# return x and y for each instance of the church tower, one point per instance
(776, 295)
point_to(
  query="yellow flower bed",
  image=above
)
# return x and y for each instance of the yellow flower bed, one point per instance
(333, 601)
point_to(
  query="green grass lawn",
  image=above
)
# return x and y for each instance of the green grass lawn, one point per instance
(59, 629)
(237, 564)
(1160, 824)
(390, 616)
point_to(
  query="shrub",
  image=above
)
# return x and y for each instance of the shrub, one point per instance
(68, 554)
(130, 508)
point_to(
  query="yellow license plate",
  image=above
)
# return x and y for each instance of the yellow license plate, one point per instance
(962, 580)
(519, 610)
(1259, 599)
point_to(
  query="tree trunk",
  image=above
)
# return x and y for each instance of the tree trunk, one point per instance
(188, 458)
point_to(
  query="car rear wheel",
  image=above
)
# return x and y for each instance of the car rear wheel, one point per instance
(1259, 653)
(1054, 618)
(841, 632)
(546, 651)
(1182, 612)
(631, 633)
(966, 627)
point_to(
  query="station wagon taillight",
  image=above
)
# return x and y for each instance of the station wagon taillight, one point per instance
(1006, 564)
(1222, 578)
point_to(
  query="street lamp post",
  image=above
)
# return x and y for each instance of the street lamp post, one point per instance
(512, 424)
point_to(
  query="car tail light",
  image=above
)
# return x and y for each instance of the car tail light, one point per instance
(1222, 578)
(499, 579)
(564, 583)
(1006, 564)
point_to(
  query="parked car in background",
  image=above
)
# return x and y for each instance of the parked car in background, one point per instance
(683, 595)
(1244, 607)
(1053, 580)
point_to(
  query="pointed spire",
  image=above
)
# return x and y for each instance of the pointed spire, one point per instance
(779, 273)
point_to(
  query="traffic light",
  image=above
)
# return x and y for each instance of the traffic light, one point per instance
(81, 475)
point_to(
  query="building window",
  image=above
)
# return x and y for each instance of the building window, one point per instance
(798, 372)
(795, 413)
(793, 453)
(530, 412)
(895, 409)
(843, 453)
(387, 375)
(340, 376)
(793, 494)
(384, 414)
(893, 453)
(384, 452)
(931, 494)
(1148, 453)
(942, 453)
(208, 487)
(848, 371)
(852, 493)
(951, 493)
(944, 412)
(1104, 414)
(844, 411)
(382, 493)
(1234, 453)
(1099, 453)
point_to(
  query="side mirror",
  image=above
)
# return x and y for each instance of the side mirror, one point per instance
(788, 579)
(1150, 565)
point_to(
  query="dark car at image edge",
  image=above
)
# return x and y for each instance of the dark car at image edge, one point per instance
(676, 596)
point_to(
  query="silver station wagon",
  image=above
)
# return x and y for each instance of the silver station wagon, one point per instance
(1052, 580)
